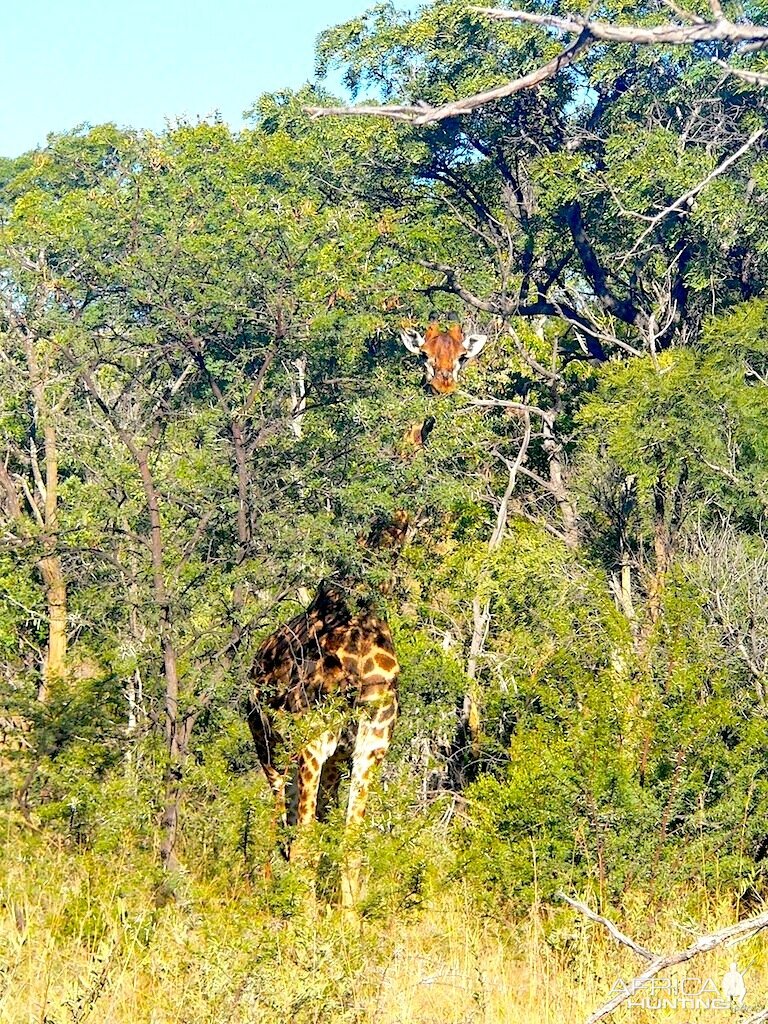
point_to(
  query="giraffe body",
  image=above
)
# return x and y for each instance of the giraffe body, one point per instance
(325, 658)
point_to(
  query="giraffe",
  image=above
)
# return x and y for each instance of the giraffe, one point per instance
(444, 348)
(328, 656)
(416, 437)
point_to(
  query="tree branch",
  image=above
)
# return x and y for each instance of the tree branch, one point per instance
(503, 403)
(501, 519)
(424, 114)
(646, 954)
(597, 276)
(587, 32)
(672, 34)
(692, 192)
(541, 307)
(661, 963)
(755, 77)
(531, 361)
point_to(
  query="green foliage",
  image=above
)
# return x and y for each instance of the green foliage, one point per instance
(167, 297)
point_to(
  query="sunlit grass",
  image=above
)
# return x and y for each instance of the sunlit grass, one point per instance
(87, 938)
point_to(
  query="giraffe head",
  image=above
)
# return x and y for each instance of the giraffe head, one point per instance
(444, 348)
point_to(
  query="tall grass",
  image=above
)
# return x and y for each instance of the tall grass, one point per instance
(86, 937)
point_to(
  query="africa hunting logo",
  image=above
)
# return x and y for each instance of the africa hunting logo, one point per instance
(688, 993)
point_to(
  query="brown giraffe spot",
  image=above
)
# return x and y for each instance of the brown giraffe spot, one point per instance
(385, 662)
(373, 689)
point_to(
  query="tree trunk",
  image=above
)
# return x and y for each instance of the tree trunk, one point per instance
(176, 733)
(174, 740)
(662, 550)
(54, 667)
(565, 506)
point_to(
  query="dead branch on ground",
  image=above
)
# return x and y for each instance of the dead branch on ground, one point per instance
(704, 944)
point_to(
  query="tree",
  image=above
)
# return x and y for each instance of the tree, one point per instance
(690, 29)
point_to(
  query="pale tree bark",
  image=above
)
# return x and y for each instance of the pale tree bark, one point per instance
(41, 501)
(689, 30)
(468, 733)
(621, 585)
(298, 396)
(50, 564)
(177, 728)
(554, 484)
(557, 485)
(657, 962)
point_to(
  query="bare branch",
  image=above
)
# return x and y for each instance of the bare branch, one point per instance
(33, 506)
(513, 467)
(646, 954)
(393, 113)
(298, 395)
(503, 403)
(702, 945)
(541, 307)
(755, 77)
(544, 484)
(453, 286)
(719, 30)
(173, 387)
(587, 32)
(424, 114)
(529, 360)
(692, 192)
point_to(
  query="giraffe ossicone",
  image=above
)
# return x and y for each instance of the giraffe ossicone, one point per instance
(326, 657)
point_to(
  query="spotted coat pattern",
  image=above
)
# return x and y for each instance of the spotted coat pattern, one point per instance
(325, 655)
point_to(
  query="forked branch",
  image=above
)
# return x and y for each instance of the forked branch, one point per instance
(422, 113)
(684, 200)
(670, 34)
(689, 30)
(703, 944)
(625, 940)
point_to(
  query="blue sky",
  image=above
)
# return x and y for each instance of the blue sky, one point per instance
(137, 62)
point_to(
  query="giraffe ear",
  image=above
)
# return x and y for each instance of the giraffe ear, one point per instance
(412, 340)
(474, 344)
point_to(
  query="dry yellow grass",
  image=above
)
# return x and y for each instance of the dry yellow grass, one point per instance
(81, 939)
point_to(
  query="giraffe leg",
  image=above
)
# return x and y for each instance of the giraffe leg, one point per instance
(278, 783)
(330, 779)
(311, 761)
(266, 740)
(373, 735)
